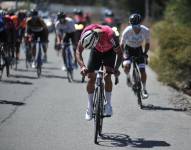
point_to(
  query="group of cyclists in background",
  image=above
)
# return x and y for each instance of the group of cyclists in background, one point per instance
(102, 39)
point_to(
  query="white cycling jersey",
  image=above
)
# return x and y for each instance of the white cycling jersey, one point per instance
(130, 38)
(68, 27)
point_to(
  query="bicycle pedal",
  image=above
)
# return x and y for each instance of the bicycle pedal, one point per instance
(107, 116)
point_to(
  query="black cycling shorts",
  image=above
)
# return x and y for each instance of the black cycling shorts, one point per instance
(96, 58)
(42, 34)
(136, 52)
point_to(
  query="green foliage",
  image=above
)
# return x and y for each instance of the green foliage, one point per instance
(173, 60)
(178, 11)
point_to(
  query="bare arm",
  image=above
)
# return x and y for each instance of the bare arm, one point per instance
(147, 47)
(79, 57)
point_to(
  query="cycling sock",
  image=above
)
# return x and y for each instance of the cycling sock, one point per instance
(128, 75)
(90, 101)
(108, 97)
(144, 86)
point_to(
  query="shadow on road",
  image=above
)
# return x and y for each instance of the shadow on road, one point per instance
(16, 82)
(51, 68)
(123, 140)
(23, 76)
(152, 107)
(26, 70)
(11, 103)
(54, 76)
(79, 81)
(32, 70)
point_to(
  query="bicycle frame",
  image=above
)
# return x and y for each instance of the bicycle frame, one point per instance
(39, 57)
(68, 59)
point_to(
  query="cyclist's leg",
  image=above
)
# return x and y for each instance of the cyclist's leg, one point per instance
(74, 43)
(109, 63)
(143, 73)
(93, 64)
(141, 64)
(17, 49)
(127, 64)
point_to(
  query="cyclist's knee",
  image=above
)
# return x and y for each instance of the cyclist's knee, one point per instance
(91, 82)
(108, 83)
(107, 77)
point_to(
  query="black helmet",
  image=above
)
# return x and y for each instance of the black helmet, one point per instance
(108, 13)
(78, 12)
(135, 19)
(34, 12)
(61, 14)
(2, 13)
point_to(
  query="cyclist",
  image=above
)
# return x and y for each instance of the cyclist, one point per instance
(104, 45)
(35, 27)
(132, 39)
(3, 33)
(65, 32)
(11, 35)
(111, 20)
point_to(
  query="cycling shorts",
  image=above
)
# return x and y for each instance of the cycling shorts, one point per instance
(95, 59)
(136, 52)
(43, 36)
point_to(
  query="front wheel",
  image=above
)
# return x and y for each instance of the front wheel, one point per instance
(38, 71)
(70, 75)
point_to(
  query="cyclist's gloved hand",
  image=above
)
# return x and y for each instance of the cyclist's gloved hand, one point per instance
(116, 72)
(145, 55)
(84, 70)
(58, 45)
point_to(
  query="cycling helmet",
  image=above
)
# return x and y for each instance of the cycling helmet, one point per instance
(61, 15)
(108, 13)
(75, 11)
(34, 12)
(89, 39)
(135, 19)
(2, 12)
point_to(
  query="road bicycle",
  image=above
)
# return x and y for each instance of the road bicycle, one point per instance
(98, 102)
(137, 83)
(68, 59)
(39, 60)
(4, 60)
(28, 52)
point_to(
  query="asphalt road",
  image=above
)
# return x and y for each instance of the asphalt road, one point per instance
(48, 113)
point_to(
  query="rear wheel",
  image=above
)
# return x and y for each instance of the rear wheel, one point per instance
(1, 65)
(38, 71)
(70, 75)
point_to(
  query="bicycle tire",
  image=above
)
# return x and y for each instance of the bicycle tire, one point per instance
(28, 56)
(39, 61)
(96, 116)
(1, 65)
(139, 95)
(101, 103)
(7, 69)
(137, 87)
(83, 79)
(38, 70)
(70, 75)
(98, 119)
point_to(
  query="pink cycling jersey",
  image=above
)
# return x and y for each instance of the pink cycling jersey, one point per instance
(106, 41)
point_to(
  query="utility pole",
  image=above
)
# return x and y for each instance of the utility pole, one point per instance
(16, 4)
(147, 11)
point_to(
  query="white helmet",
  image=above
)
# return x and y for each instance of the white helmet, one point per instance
(89, 39)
